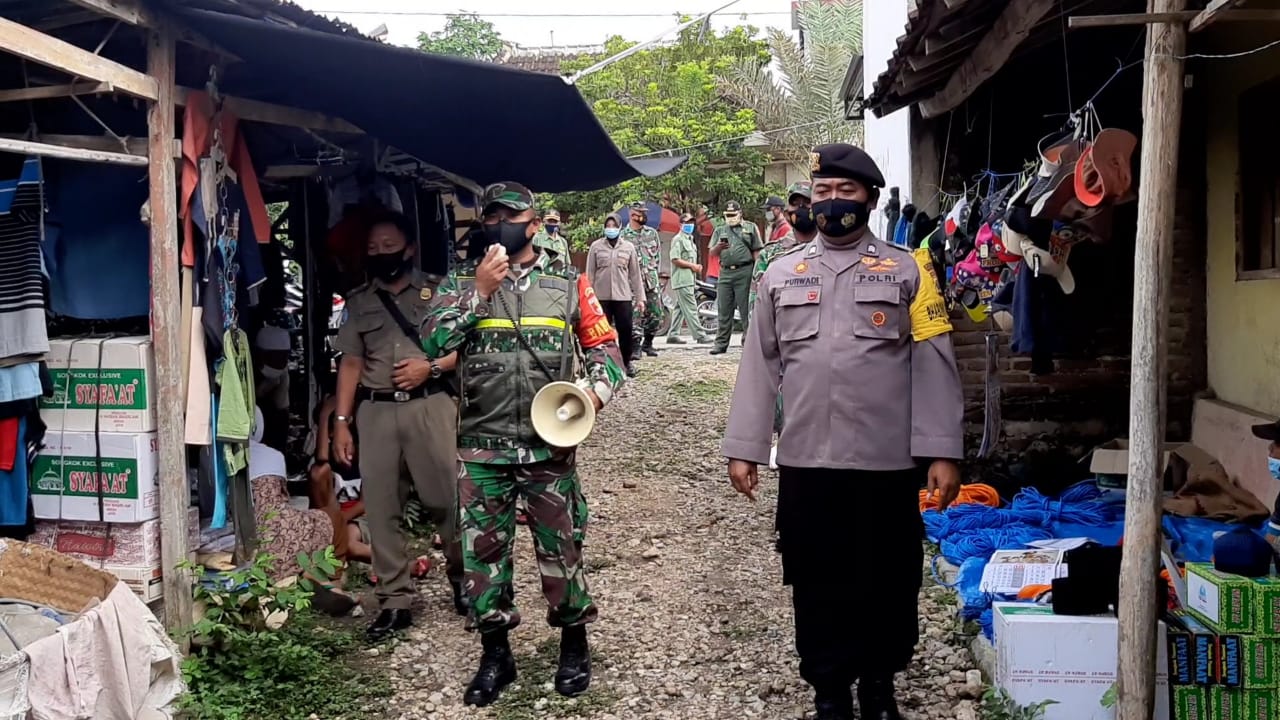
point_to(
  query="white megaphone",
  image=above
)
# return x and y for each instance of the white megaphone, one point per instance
(563, 414)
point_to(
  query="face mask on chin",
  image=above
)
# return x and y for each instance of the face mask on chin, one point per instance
(839, 218)
(387, 267)
(513, 237)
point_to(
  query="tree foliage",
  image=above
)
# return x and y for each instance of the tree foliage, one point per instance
(805, 92)
(465, 35)
(665, 100)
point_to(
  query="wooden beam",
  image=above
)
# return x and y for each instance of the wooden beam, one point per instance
(1213, 12)
(1137, 614)
(95, 143)
(45, 92)
(122, 10)
(1013, 25)
(1092, 21)
(48, 50)
(42, 149)
(265, 112)
(166, 325)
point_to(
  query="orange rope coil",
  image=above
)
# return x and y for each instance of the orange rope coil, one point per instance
(976, 494)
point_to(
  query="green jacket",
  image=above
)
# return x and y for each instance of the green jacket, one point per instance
(744, 241)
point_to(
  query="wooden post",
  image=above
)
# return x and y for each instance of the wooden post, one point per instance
(1153, 255)
(166, 322)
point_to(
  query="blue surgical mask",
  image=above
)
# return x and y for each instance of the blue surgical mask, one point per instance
(1273, 464)
(686, 229)
(611, 233)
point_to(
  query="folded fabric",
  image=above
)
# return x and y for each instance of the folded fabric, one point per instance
(1209, 492)
(20, 382)
(13, 481)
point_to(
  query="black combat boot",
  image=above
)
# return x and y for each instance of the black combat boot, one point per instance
(833, 704)
(497, 670)
(875, 698)
(647, 347)
(574, 676)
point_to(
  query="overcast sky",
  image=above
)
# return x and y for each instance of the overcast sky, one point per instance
(534, 24)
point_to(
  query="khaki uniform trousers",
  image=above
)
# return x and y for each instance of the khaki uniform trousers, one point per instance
(401, 443)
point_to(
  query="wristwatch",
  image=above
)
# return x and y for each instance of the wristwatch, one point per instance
(343, 418)
(436, 372)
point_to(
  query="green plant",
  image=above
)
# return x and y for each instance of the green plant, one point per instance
(997, 705)
(465, 35)
(700, 389)
(241, 669)
(1110, 697)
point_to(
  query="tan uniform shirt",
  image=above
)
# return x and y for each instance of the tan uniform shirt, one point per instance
(862, 341)
(614, 271)
(370, 332)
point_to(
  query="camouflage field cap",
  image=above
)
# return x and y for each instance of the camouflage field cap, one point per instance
(509, 194)
(803, 189)
(552, 214)
(639, 207)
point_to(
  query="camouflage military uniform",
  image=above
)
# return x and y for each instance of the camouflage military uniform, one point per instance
(771, 250)
(552, 243)
(649, 246)
(501, 458)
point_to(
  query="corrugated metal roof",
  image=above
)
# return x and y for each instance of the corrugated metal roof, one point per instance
(547, 63)
(942, 34)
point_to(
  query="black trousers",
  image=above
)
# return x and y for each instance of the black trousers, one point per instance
(621, 317)
(852, 552)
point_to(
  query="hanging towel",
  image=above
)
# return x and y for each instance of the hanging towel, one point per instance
(220, 488)
(199, 429)
(22, 308)
(20, 382)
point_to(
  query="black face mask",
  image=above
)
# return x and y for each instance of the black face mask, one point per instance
(387, 266)
(802, 220)
(511, 236)
(838, 218)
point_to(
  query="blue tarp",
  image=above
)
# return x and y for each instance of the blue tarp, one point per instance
(483, 121)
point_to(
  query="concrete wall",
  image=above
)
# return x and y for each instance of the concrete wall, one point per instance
(1243, 316)
(887, 139)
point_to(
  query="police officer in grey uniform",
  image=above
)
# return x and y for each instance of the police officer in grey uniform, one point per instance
(859, 332)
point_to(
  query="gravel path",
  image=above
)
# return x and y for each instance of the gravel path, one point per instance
(694, 621)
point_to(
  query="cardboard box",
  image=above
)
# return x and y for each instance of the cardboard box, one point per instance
(1210, 660)
(146, 583)
(1233, 704)
(1260, 662)
(135, 545)
(1070, 660)
(1109, 462)
(107, 385)
(1191, 703)
(1234, 604)
(66, 474)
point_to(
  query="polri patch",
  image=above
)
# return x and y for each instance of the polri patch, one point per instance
(876, 278)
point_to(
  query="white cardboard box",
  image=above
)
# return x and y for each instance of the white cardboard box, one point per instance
(104, 384)
(1068, 659)
(66, 472)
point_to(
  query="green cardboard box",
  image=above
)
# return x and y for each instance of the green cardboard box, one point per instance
(1231, 604)
(1260, 663)
(1261, 705)
(1191, 703)
(1233, 704)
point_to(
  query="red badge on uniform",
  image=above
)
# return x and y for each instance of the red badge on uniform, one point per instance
(801, 267)
(813, 296)
(877, 318)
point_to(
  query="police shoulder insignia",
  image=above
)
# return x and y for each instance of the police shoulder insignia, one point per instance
(815, 162)
(425, 294)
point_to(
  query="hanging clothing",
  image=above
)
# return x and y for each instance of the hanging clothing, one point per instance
(22, 309)
(235, 399)
(13, 480)
(20, 382)
(197, 138)
(94, 223)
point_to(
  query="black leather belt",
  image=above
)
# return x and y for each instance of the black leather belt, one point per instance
(400, 396)
(734, 267)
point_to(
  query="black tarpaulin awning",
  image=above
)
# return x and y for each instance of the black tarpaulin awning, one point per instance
(482, 121)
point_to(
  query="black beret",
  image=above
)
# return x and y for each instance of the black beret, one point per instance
(841, 160)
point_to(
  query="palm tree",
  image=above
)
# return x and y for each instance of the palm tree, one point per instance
(804, 94)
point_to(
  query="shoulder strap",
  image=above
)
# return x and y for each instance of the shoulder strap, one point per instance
(405, 326)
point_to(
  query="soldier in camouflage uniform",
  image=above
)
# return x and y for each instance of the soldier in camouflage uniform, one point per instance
(649, 246)
(563, 335)
(781, 239)
(549, 237)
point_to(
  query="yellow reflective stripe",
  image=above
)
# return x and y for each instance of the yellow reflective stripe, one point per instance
(527, 322)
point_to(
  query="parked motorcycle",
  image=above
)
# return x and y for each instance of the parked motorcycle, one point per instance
(708, 311)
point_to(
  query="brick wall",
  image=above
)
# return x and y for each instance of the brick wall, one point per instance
(1051, 420)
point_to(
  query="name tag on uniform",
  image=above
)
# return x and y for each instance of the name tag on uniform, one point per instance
(876, 278)
(809, 280)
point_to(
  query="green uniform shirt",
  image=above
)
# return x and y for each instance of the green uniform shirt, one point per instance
(552, 243)
(744, 241)
(682, 249)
